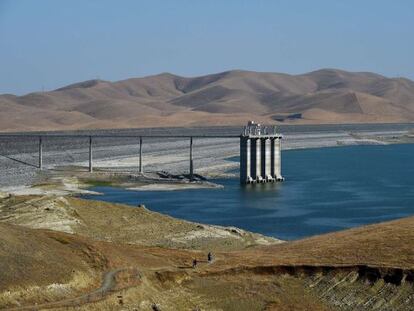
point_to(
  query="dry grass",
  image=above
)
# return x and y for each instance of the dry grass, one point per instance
(122, 224)
(16, 295)
(387, 244)
(318, 273)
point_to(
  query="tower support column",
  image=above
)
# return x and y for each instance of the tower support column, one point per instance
(140, 155)
(40, 153)
(90, 155)
(266, 159)
(191, 159)
(276, 159)
(256, 159)
(245, 160)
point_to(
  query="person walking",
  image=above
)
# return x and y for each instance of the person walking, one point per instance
(194, 263)
(209, 257)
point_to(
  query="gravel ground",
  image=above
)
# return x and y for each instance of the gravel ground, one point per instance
(212, 156)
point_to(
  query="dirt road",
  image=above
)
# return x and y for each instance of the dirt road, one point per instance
(108, 284)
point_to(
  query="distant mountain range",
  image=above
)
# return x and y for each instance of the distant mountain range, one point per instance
(227, 98)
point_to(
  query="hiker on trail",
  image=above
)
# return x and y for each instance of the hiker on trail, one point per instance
(194, 263)
(155, 307)
(209, 257)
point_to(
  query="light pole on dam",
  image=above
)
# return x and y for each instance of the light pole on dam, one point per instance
(260, 154)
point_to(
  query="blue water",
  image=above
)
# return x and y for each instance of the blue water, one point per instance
(326, 189)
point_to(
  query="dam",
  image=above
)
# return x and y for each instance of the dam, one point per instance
(260, 149)
(260, 154)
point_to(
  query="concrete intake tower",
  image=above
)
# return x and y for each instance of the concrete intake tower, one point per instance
(260, 154)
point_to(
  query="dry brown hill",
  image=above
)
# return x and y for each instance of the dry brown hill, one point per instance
(386, 244)
(366, 268)
(33, 257)
(227, 98)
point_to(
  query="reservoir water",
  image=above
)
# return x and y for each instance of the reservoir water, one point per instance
(326, 189)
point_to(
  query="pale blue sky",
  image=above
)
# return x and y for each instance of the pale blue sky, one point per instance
(51, 43)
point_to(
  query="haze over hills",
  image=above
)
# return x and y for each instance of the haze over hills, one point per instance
(227, 98)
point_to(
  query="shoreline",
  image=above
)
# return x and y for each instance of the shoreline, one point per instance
(212, 157)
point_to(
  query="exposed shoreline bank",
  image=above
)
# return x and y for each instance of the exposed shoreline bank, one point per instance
(212, 157)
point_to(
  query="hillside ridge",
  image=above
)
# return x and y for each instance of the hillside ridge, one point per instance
(224, 98)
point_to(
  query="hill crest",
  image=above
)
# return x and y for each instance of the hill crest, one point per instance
(225, 98)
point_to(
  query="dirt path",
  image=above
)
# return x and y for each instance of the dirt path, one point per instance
(108, 284)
